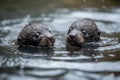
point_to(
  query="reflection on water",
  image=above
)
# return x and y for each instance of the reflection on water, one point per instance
(92, 62)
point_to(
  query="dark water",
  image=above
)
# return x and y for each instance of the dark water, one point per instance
(89, 63)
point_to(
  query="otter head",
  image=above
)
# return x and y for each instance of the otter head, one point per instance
(36, 34)
(81, 31)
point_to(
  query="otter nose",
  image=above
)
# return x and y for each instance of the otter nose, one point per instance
(72, 36)
(49, 37)
(73, 33)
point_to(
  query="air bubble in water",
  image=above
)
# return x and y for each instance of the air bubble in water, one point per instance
(103, 7)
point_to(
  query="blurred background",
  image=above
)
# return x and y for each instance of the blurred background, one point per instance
(98, 63)
(20, 8)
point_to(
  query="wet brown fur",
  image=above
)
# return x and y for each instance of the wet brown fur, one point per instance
(81, 31)
(35, 34)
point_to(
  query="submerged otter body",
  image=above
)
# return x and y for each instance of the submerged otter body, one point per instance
(82, 31)
(35, 34)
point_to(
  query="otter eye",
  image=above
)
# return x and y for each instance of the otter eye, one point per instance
(49, 31)
(84, 31)
(37, 35)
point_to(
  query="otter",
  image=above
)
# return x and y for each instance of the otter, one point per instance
(35, 34)
(82, 31)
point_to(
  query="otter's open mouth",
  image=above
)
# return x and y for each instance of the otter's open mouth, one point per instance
(73, 43)
(45, 44)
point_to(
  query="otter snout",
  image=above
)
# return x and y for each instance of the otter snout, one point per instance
(75, 37)
(47, 40)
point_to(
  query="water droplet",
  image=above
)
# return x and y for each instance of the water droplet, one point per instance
(111, 55)
(93, 55)
(96, 60)
(84, 0)
(103, 7)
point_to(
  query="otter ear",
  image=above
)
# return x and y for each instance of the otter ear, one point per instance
(19, 42)
(99, 33)
(97, 36)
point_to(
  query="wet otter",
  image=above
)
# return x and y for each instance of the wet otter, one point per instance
(81, 31)
(35, 34)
